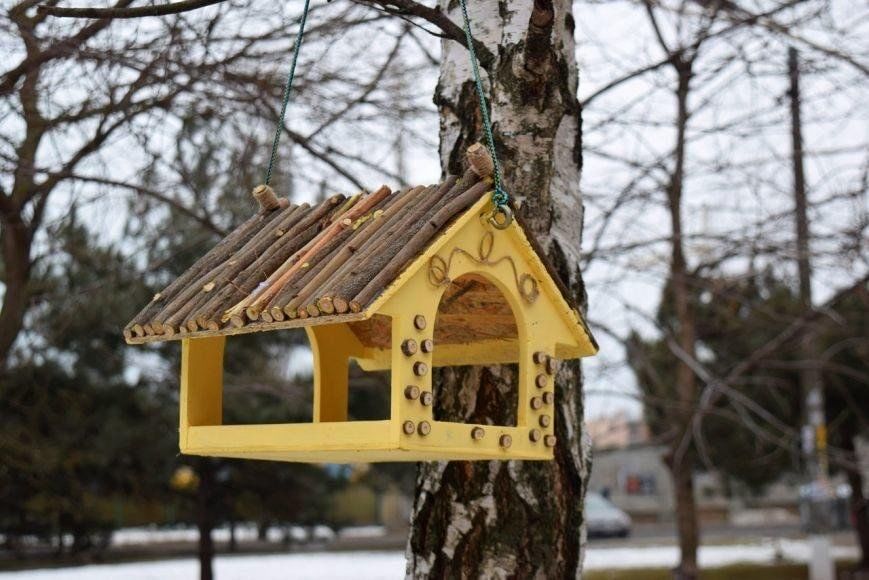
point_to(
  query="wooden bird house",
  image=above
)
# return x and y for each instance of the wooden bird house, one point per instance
(404, 281)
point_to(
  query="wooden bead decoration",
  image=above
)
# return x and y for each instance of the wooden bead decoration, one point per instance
(549, 440)
(534, 435)
(427, 398)
(427, 346)
(408, 427)
(545, 421)
(419, 322)
(536, 403)
(420, 368)
(551, 366)
(548, 397)
(424, 428)
(477, 433)
(266, 198)
(409, 347)
(541, 381)
(411, 392)
(505, 441)
(539, 357)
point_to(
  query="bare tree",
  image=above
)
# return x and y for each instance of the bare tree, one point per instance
(675, 138)
(88, 110)
(70, 97)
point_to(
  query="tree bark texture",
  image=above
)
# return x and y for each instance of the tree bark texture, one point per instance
(15, 240)
(512, 519)
(681, 459)
(205, 509)
(686, 520)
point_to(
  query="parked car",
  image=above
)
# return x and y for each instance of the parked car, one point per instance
(604, 519)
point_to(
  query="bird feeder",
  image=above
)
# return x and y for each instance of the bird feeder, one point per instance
(406, 281)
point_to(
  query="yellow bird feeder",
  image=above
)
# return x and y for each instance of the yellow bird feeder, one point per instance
(405, 281)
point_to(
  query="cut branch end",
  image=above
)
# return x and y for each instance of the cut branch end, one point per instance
(480, 160)
(266, 198)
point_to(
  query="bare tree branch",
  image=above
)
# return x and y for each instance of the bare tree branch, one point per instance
(116, 13)
(396, 7)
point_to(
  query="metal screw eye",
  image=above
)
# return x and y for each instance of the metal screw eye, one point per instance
(501, 217)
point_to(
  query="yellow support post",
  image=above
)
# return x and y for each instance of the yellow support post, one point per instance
(201, 384)
(332, 346)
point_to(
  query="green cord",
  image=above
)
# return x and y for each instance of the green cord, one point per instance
(287, 87)
(499, 196)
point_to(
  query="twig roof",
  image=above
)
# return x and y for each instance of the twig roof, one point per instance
(301, 265)
(297, 265)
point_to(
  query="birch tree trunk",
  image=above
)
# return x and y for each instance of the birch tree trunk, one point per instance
(512, 519)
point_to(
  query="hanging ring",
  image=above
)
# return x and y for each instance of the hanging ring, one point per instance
(501, 217)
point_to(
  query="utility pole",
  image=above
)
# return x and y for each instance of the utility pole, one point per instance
(818, 502)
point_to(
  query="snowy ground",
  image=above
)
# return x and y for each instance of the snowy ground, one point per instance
(766, 551)
(385, 565)
(152, 535)
(333, 565)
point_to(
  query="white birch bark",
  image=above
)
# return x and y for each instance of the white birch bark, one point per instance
(513, 519)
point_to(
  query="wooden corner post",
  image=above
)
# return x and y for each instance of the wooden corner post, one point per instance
(332, 348)
(201, 384)
(412, 347)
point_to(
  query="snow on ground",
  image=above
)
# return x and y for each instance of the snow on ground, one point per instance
(149, 535)
(385, 565)
(333, 565)
(767, 551)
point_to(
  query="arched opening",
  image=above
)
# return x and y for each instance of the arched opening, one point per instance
(474, 313)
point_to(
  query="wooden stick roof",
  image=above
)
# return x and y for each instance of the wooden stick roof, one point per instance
(301, 265)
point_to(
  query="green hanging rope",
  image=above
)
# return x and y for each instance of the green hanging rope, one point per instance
(287, 88)
(499, 197)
